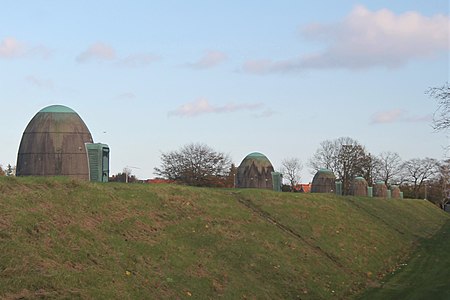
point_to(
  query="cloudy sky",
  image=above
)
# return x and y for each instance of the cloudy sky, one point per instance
(276, 77)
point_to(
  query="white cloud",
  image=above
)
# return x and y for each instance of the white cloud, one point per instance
(210, 59)
(265, 114)
(396, 116)
(258, 66)
(97, 51)
(103, 52)
(202, 106)
(389, 116)
(138, 60)
(367, 39)
(126, 96)
(11, 48)
(39, 82)
(418, 119)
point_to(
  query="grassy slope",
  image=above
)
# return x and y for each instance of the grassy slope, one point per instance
(425, 276)
(62, 238)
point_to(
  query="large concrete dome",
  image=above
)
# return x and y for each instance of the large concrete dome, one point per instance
(255, 171)
(53, 144)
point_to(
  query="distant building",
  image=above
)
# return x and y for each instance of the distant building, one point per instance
(303, 188)
(54, 144)
(255, 171)
(158, 181)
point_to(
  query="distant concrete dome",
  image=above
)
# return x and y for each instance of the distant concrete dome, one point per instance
(395, 192)
(359, 187)
(53, 144)
(380, 190)
(255, 171)
(324, 181)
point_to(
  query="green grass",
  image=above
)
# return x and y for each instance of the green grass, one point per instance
(61, 238)
(425, 276)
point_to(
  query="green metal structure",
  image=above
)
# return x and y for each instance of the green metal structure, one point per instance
(98, 159)
(339, 188)
(277, 179)
(370, 191)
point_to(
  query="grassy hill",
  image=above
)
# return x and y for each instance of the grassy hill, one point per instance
(61, 238)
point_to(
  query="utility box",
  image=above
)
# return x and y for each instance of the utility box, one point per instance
(339, 188)
(98, 159)
(277, 181)
(370, 191)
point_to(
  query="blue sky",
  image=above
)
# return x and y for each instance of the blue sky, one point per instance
(276, 77)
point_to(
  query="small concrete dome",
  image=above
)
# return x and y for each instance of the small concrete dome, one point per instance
(395, 192)
(359, 186)
(53, 144)
(324, 181)
(380, 189)
(255, 171)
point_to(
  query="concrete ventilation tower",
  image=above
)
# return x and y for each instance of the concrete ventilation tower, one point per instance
(54, 144)
(359, 187)
(380, 190)
(323, 182)
(255, 171)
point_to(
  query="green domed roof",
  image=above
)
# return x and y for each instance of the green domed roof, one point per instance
(57, 109)
(325, 171)
(257, 158)
(256, 155)
(255, 171)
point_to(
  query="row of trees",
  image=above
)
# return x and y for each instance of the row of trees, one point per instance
(348, 159)
(200, 165)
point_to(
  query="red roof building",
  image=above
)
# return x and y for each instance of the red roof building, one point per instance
(303, 188)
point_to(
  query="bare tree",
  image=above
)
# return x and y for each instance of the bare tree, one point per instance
(346, 158)
(325, 156)
(444, 169)
(418, 170)
(353, 161)
(441, 117)
(195, 164)
(388, 166)
(291, 168)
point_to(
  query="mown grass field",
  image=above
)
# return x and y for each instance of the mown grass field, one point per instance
(61, 238)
